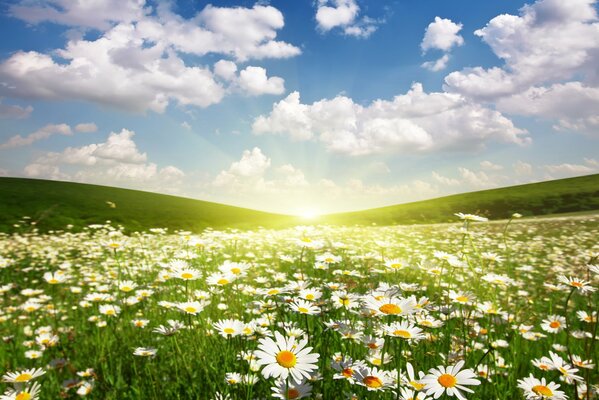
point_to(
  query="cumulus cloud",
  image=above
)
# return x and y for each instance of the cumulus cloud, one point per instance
(437, 65)
(522, 168)
(442, 34)
(413, 122)
(88, 14)
(138, 65)
(14, 111)
(565, 170)
(550, 40)
(488, 165)
(344, 14)
(115, 162)
(41, 134)
(86, 127)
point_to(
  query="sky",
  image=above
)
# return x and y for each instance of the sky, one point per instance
(300, 107)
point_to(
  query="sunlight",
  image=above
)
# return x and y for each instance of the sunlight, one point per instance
(308, 213)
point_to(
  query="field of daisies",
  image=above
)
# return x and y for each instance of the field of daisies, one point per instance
(472, 310)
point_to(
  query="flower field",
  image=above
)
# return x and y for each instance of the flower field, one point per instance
(471, 310)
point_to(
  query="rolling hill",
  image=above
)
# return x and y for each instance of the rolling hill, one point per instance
(54, 205)
(534, 199)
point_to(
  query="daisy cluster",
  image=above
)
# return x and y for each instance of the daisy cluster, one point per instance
(471, 310)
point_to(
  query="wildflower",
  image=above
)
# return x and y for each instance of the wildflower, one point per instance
(110, 310)
(535, 389)
(449, 380)
(145, 352)
(190, 307)
(55, 278)
(390, 306)
(21, 377)
(471, 217)
(553, 323)
(291, 391)
(373, 379)
(304, 307)
(580, 284)
(283, 357)
(404, 330)
(22, 393)
(229, 327)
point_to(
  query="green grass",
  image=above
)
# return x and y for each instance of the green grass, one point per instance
(544, 198)
(54, 205)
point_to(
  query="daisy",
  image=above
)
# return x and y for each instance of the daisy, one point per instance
(185, 273)
(110, 310)
(553, 323)
(229, 327)
(411, 380)
(283, 357)
(345, 300)
(449, 380)
(23, 393)
(220, 279)
(395, 264)
(580, 284)
(55, 278)
(310, 294)
(127, 286)
(461, 297)
(145, 352)
(373, 379)
(21, 377)
(291, 391)
(403, 330)
(536, 389)
(471, 217)
(190, 307)
(390, 306)
(234, 268)
(304, 307)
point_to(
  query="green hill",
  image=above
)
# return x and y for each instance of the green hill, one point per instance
(550, 197)
(54, 205)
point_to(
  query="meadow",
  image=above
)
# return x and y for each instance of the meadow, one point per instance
(468, 310)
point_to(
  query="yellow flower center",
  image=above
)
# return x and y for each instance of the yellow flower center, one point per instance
(402, 333)
(286, 359)
(236, 271)
(347, 372)
(555, 324)
(462, 299)
(377, 361)
(190, 309)
(110, 311)
(293, 393)
(53, 281)
(24, 377)
(396, 266)
(126, 288)
(447, 380)
(542, 390)
(372, 382)
(23, 396)
(247, 331)
(222, 281)
(273, 291)
(328, 260)
(229, 331)
(577, 284)
(390, 309)
(373, 345)
(310, 296)
(303, 310)
(416, 385)
(306, 240)
(186, 275)
(344, 302)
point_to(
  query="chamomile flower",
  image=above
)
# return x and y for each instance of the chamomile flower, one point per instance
(535, 389)
(285, 357)
(110, 310)
(190, 307)
(390, 306)
(229, 327)
(304, 307)
(373, 379)
(22, 393)
(449, 380)
(404, 330)
(145, 352)
(22, 377)
(553, 323)
(291, 391)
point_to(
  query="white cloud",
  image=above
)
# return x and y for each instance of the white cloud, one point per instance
(477, 179)
(344, 14)
(522, 168)
(254, 81)
(442, 34)
(137, 65)
(591, 166)
(115, 162)
(550, 40)
(437, 65)
(226, 69)
(580, 112)
(488, 165)
(40, 134)
(252, 165)
(185, 125)
(89, 14)
(14, 111)
(414, 122)
(445, 180)
(87, 127)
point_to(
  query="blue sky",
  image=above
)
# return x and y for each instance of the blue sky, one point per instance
(300, 106)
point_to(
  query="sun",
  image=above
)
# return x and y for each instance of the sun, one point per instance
(308, 213)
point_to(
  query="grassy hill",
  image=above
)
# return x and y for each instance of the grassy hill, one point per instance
(550, 197)
(54, 205)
